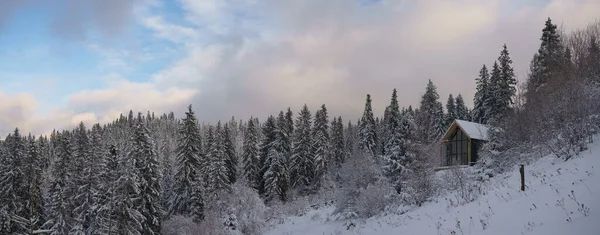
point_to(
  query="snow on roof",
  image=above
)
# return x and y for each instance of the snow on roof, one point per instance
(474, 130)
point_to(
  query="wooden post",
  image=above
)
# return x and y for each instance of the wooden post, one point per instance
(522, 171)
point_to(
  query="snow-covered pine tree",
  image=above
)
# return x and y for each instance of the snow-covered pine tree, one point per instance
(430, 115)
(367, 133)
(108, 176)
(217, 169)
(462, 112)
(395, 158)
(338, 143)
(320, 145)
(231, 161)
(276, 173)
(493, 103)
(547, 60)
(85, 182)
(250, 153)
(58, 208)
(14, 189)
(302, 163)
(269, 134)
(481, 96)
(143, 151)
(187, 195)
(506, 82)
(127, 218)
(451, 112)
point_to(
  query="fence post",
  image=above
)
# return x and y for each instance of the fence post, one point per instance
(522, 171)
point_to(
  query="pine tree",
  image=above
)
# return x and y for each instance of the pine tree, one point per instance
(128, 219)
(14, 189)
(350, 138)
(58, 207)
(481, 96)
(320, 145)
(231, 161)
(506, 82)
(276, 173)
(462, 112)
(451, 112)
(33, 170)
(592, 60)
(395, 158)
(547, 60)
(109, 174)
(430, 115)
(250, 153)
(494, 105)
(217, 170)
(338, 142)
(367, 136)
(143, 152)
(85, 186)
(302, 163)
(187, 196)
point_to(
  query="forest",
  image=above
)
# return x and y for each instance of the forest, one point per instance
(158, 174)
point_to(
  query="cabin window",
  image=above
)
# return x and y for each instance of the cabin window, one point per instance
(457, 149)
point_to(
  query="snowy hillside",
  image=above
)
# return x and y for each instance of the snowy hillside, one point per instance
(561, 198)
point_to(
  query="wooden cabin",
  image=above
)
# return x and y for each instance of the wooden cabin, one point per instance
(461, 143)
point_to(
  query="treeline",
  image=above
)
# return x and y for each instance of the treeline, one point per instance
(135, 173)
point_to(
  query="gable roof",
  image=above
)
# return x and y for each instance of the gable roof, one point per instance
(473, 130)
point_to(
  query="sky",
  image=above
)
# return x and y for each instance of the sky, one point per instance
(67, 61)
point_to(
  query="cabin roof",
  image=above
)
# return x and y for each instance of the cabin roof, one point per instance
(473, 130)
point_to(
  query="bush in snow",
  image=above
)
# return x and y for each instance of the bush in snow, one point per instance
(240, 209)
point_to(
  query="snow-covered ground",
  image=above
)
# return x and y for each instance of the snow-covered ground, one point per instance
(561, 198)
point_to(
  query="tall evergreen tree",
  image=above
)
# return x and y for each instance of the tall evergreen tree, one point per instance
(320, 146)
(143, 151)
(481, 96)
(127, 217)
(250, 153)
(462, 112)
(430, 115)
(86, 183)
(218, 179)
(506, 82)
(33, 170)
(547, 60)
(187, 194)
(338, 142)
(451, 112)
(58, 206)
(231, 161)
(302, 163)
(592, 60)
(396, 158)
(367, 136)
(14, 189)
(494, 106)
(276, 173)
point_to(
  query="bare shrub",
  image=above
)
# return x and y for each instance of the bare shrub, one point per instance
(418, 180)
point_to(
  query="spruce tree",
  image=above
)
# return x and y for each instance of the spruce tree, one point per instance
(143, 152)
(451, 112)
(58, 206)
(276, 173)
(231, 161)
(302, 163)
(506, 82)
(250, 153)
(86, 183)
(367, 136)
(338, 143)
(320, 145)
(395, 158)
(494, 106)
(127, 217)
(430, 115)
(187, 196)
(217, 171)
(32, 217)
(462, 112)
(547, 60)
(481, 96)
(14, 189)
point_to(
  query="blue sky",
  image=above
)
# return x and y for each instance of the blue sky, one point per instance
(67, 61)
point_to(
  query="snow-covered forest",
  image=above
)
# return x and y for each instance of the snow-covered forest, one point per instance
(148, 173)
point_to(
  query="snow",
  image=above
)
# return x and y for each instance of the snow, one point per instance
(474, 130)
(547, 206)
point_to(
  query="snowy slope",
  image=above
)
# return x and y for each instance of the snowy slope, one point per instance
(546, 207)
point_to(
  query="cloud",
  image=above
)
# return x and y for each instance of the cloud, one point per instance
(334, 52)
